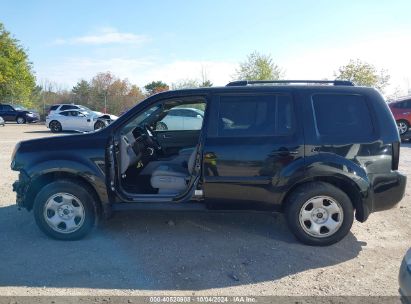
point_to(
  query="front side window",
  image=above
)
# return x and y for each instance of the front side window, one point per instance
(246, 116)
(342, 116)
(187, 117)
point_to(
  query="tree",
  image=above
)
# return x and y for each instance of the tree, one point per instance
(17, 80)
(82, 92)
(364, 74)
(101, 89)
(205, 82)
(155, 87)
(258, 67)
(185, 84)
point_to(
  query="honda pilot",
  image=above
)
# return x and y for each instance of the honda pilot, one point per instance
(321, 152)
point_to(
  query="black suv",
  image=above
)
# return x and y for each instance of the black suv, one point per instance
(21, 116)
(318, 152)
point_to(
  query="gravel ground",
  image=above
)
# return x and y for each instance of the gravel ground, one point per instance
(194, 253)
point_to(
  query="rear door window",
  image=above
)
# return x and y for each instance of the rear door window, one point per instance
(342, 116)
(249, 116)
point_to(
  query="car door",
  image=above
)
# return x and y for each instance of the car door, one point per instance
(9, 113)
(251, 147)
(80, 121)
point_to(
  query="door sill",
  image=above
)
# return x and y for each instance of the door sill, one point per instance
(159, 206)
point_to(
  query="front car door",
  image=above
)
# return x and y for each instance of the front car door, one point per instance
(251, 150)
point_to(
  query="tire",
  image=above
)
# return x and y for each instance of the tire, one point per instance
(161, 126)
(319, 214)
(402, 126)
(21, 120)
(65, 210)
(99, 125)
(55, 126)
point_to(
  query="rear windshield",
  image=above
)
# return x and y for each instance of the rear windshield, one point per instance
(342, 116)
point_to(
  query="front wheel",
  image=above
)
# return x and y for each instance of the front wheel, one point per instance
(99, 125)
(403, 126)
(64, 210)
(21, 120)
(319, 214)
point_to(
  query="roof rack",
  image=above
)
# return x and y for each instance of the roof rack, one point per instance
(248, 82)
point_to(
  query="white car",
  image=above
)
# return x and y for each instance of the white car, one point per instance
(76, 120)
(64, 107)
(182, 119)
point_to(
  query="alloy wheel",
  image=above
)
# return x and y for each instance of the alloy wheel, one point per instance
(64, 213)
(321, 216)
(402, 127)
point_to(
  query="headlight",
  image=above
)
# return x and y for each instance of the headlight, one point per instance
(30, 114)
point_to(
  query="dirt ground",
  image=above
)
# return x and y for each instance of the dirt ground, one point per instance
(194, 253)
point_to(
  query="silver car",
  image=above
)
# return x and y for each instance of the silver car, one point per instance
(2, 121)
(405, 278)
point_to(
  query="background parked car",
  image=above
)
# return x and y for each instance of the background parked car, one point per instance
(63, 107)
(75, 120)
(19, 115)
(2, 121)
(405, 277)
(182, 119)
(401, 109)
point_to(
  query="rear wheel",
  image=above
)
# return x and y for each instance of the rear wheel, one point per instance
(319, 214)
(403, 126)
(64, 210)
(55, 126)
(20, 120)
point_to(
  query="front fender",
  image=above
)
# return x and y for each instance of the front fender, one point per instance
(93, 174)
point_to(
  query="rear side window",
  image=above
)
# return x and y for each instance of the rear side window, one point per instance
(342, 116)
(68, 107)
(53, 108)
(265, 115)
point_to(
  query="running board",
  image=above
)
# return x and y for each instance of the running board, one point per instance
(159, 206)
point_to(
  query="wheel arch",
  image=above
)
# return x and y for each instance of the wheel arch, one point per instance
(42, 180)
(346, 185)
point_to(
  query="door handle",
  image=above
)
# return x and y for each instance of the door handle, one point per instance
(165, 136)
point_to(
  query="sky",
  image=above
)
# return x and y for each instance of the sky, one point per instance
(144, 40)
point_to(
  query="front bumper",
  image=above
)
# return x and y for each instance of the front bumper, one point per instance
(20, 186)
(31, 119)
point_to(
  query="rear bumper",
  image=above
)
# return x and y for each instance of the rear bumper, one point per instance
(387, 190)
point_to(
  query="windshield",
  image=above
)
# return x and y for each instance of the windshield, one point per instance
(19, 108)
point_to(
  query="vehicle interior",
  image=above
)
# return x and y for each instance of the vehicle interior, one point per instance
(156, 154)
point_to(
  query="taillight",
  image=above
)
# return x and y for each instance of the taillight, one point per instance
(395, 155)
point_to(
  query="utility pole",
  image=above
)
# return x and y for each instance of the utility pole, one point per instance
(105, 102)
